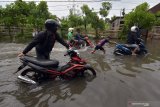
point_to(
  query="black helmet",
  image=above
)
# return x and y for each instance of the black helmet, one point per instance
(51, 24)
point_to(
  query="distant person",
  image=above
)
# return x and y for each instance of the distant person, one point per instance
(101, 43)
(70, 34)
(45, 40)
(78, 37)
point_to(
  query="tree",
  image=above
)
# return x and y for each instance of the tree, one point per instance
(113, 18)
(22, 12)
(93, 19)
(8, 18)
(32, 18)
(74, 19)
(139, 16)
(43, 14)
(106, 6)
(1, 14)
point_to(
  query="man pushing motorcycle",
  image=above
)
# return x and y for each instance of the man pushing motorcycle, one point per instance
(45, 40)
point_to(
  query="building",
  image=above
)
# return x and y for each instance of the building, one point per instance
(117, 23)
(156, 29)
(155, 9)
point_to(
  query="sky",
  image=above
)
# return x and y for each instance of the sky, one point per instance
(61, 9)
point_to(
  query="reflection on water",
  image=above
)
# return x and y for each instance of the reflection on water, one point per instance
(120, 79)
(50, 92)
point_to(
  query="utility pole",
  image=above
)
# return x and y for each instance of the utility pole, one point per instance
(123, 12)
(73, 7)
(120, 18)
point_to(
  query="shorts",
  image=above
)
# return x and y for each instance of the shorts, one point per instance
(98, 47)
(133, 46)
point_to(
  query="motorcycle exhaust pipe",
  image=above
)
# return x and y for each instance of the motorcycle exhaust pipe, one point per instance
(26, 80)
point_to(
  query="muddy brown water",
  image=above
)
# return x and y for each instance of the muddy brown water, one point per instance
(122, 81)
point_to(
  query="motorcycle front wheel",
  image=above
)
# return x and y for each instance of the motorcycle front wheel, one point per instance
(88, 72)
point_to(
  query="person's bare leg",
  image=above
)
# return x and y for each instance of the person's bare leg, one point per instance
(134, 51)
(93, 51)
(104, 51)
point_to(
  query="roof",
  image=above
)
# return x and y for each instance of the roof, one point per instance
(117, 17)
(155, 8)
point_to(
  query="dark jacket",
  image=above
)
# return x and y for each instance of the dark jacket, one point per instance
(78, 37)
(132, 38)
(44, 42)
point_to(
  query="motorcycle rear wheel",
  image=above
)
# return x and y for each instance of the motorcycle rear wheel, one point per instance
(89, 73)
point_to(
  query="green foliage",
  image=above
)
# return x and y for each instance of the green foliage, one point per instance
(139, 16)
(74, 19)
(106, 6)
(157, 22)
(29, 15)
(113, 18)
(23, 14)
(93, 19)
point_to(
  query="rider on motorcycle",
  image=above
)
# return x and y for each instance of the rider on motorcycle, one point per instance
(45, 40)
(132, 39)
(70, 34)
(78, 37)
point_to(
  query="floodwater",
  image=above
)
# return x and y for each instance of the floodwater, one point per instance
(121, 81)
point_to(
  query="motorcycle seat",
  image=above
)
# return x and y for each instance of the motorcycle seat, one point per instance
(42, 63)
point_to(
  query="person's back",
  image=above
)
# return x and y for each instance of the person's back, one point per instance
(100, 45)
(131, 38)
(70, 34)
(102, 42)
(46, 42)
(78, 36)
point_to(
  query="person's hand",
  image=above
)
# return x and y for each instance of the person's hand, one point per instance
(70, 48)
(20, 54)
(126, 45)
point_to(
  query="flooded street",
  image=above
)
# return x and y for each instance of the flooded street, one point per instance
(122, 81)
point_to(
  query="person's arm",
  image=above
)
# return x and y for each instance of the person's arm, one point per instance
(38, 38)
(60, 40)
(81, 37)
(113, 42)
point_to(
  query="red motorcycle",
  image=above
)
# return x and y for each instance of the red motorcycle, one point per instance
(40, 70)
(82, 43)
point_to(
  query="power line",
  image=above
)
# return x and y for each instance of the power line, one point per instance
(64, 1)
(60, 5)
(94, 9)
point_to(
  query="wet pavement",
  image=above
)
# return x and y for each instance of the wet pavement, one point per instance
(122, 81)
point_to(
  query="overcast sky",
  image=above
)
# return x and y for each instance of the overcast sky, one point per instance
(61, 9)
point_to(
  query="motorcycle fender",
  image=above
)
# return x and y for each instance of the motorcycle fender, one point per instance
(20, 68)
(87, 65)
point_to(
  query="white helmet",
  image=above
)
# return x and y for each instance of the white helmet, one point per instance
(70, 29)
(134, 29)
